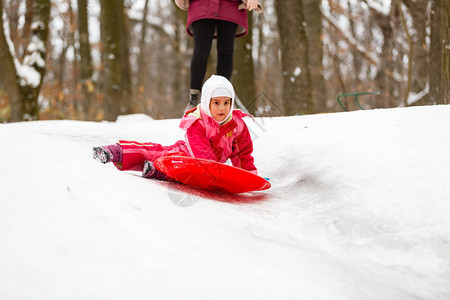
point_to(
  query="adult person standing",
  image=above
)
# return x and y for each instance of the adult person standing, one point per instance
(223, 20)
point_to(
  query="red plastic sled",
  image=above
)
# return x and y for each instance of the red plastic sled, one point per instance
(210, 175)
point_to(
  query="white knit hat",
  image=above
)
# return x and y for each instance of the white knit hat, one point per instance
(221, 92)
(216, 86)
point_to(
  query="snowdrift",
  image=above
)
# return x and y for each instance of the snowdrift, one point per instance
(358, 209)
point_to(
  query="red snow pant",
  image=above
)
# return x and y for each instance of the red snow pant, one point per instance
(134, 154)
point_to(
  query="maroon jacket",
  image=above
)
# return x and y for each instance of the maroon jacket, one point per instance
(226, 10)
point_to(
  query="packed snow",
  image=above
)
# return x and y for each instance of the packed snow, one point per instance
(359, 209)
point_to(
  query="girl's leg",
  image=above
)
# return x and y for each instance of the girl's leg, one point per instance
(203, 31)
(226, 34)
(109, 153)
(149, 171)
(135, 154)
(130, 155)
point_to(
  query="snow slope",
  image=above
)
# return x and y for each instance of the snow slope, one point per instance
(359, 209)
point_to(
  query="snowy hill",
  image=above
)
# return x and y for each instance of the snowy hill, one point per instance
(359, 209)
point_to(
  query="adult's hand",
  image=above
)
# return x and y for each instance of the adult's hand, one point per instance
(252, 4)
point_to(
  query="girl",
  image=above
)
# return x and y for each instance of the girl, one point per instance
(214, 131)
(223, 20)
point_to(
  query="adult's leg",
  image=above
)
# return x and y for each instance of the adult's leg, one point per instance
(226, 34)
(203, 31)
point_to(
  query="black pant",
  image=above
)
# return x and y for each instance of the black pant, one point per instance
(203, 31)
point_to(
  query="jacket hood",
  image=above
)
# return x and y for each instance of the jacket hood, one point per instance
(216, 82)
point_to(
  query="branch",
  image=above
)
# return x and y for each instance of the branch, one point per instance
(410, 53)
(156, 27)
(354, 44)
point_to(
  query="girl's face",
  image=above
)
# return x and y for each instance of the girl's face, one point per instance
(220, 107)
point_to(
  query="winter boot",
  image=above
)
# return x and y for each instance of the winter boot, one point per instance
(103, 155)
(110, 153)
(149, 171)
(194, 99)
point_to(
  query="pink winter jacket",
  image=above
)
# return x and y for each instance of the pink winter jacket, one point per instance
(205, 138)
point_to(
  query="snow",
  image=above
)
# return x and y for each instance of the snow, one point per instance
(133, 118)
(382, 8)
(36, 45)
(358, 209)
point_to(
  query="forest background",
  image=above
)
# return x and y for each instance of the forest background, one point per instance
(96, 60)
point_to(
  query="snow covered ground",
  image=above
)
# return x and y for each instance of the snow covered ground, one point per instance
(359, 209)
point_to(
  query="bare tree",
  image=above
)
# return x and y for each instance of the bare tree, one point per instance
(410, 52)
(417, 10)
(142, 64)
(385, 71)
(86, 69)
(439, 76)
(35, 58)
(28, 75)
(244, 70)
(313, 17)
(8, 76)
(179, 83)
(115, 58)
(304, 52)
(294, 55)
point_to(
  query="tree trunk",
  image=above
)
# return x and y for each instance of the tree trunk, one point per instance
(115, 60)
(417, 10)
(26, 32)
(384, 76)
(439, 75)
(85, 60)
(8, 76)
(33, 63)
(294, 57)
(445, 29)
(244, 71)
(357, 63)
(142, 62)
(13, 14)
(410, 53)
(180, 92)
(313, 18)
(125, 60)
(36, 47)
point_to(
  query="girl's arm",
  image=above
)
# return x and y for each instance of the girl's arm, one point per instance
(243, 149)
